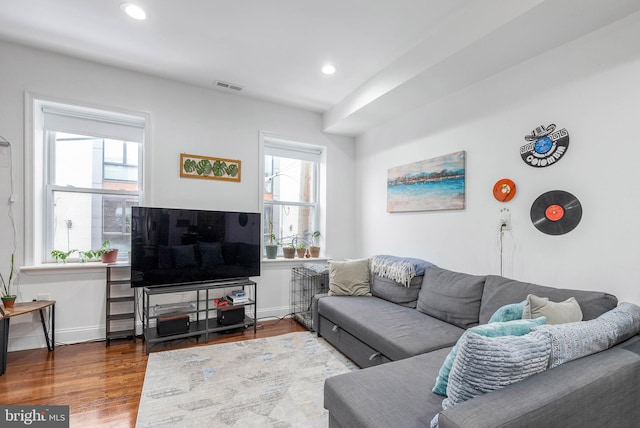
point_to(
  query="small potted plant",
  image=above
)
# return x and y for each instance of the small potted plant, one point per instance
(290, 251)
(61, 256)
(301, 249)
(272, 248)
(314, 249)
(8, 299)
(108, 254)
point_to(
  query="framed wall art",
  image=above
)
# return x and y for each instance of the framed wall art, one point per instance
(196, 166)
(428, 185)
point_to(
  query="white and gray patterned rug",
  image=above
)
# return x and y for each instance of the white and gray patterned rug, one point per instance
(271, 382)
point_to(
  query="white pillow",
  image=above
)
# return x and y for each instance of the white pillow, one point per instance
(556, 312)
(349, 278)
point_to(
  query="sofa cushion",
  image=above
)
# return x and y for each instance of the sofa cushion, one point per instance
(391, 395)
(579, 339)
(349, 278)
(499, 291)
(395, 292)
(395, 331)
(556, 312)
(453, 297)
(509, 328)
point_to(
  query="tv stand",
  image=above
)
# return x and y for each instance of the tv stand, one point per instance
(203, 315)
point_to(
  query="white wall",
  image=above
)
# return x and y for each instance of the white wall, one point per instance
(183, 119)
(590, 87)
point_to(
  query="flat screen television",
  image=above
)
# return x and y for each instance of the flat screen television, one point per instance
(172, 246)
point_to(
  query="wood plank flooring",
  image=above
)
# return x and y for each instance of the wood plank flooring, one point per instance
(102, 385)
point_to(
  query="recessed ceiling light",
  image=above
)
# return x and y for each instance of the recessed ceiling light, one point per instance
(134, 11)
(328, 69)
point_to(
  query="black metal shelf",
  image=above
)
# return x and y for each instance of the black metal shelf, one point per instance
(205, 312)
(130, 314)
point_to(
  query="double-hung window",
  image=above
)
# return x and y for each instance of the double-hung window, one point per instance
(92, 177)
(291, 188)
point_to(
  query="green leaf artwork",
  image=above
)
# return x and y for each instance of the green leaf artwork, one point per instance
(203, 167)
(189, 165)
(197, 166)
(232, 170)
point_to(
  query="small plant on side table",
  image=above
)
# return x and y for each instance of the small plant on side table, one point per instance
(8, 298)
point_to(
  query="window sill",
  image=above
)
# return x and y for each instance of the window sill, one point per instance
(281, 261)
(65, 268)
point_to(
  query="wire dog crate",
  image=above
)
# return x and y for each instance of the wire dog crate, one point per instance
(306, 283)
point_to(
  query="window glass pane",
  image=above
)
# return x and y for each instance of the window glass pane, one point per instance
(91, 162)
(120, 173)
(83, 221)
(132, 153)
(114, 151)
(74, 161)
(290, 180)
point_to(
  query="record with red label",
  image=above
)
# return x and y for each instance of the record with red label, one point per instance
(556, 212)
(504, 190)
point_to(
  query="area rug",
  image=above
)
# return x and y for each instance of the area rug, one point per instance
(272, 382)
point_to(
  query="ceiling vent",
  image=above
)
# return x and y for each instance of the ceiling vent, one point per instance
(219, 84)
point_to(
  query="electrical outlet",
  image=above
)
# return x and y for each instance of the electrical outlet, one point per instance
(505, 219)
(44, 296)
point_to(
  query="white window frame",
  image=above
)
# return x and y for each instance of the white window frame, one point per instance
(286, 147)
(38, 190)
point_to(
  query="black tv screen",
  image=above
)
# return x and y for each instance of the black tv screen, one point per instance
(172, 246)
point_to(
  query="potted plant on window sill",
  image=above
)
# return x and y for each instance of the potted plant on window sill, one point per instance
(290, 251)
(272, 248)
(108, 254)
(301, 249)
(314, 249)
(8, 299)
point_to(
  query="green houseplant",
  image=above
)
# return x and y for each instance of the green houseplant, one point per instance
(8, 298)
(61, 256)
(314, 249)
(290, 250)
(272, 248)
(108, 254)
(301, 249)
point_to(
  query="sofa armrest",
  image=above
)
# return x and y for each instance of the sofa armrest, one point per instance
(315, 318)
(600, 390)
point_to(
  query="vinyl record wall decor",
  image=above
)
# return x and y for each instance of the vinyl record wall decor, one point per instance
(545, 146)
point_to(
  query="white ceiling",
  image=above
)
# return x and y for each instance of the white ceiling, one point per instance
(390, 55)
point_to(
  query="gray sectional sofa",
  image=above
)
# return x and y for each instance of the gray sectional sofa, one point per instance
(401, 337)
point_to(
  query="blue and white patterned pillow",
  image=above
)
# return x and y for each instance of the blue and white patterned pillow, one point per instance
(579, 339)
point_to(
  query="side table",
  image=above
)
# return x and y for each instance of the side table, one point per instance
(21, 309)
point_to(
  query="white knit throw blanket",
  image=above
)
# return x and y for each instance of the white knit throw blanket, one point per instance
(392, 268)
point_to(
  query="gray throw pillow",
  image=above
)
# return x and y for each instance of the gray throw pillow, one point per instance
(349, 278)
(453, 297)
(556, 312)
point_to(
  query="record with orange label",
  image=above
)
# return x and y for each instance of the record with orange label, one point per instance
(504, 190)
(556, 212)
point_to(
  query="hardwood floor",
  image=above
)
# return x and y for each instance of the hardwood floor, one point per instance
(102, 385)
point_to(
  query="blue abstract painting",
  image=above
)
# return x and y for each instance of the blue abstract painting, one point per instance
(428, 185)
